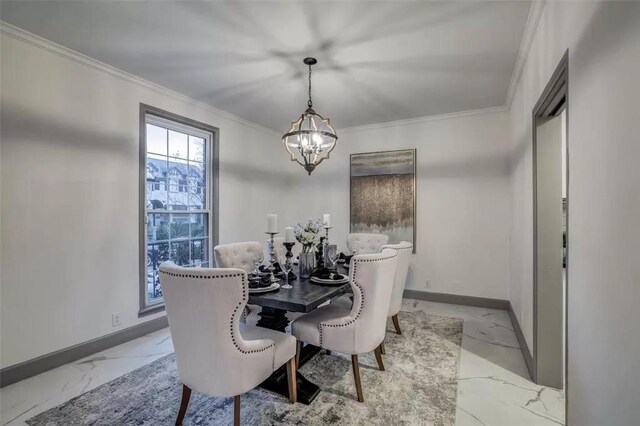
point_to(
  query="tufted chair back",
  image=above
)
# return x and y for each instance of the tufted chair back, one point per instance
(371, 277)
(404, 250)
(367, 243)
(238, 255)
(203, 307)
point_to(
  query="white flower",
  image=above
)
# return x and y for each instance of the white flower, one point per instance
(308, 233)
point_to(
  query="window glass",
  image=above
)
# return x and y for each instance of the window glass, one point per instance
(176, 181)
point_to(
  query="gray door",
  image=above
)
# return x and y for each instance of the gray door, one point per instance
(549, 252)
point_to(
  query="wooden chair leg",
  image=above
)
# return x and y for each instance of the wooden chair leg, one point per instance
(382, 349)
(378, 353)
(186, 396)
(356, 376)
(236, 410)
(396, 323)
(291, 379)
(298, 350)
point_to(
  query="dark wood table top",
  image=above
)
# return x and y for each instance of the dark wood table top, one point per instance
(305, 296)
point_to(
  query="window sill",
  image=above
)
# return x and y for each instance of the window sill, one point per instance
(150, 310)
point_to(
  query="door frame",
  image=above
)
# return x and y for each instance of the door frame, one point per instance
(552, 102)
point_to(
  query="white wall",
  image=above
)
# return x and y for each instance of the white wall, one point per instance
(604, 201)
(69, 164)
(462, 197)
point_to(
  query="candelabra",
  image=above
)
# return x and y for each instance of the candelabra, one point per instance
(272, 255)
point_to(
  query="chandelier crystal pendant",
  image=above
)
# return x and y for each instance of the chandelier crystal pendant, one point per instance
(311, 137)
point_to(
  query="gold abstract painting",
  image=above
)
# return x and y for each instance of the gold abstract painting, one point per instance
(383, 194)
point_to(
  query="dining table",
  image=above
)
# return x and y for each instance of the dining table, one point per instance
(304, 296)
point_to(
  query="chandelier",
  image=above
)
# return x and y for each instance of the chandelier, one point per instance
(311, 137)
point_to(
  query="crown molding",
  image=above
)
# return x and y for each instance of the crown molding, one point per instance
(535, 13)
(79, 58)
(531, 26)
(425, 119)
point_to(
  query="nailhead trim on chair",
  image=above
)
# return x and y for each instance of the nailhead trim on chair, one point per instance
(200, 276)
(235, 310)
(354, 266)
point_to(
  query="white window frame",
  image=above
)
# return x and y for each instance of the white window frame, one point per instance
(158, 117)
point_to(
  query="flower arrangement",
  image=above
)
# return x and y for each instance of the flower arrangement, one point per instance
(308, 234)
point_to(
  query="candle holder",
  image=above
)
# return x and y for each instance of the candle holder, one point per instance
(326, 232)
(288, 263)
(272, 255)
(320, 254)
(288, 246)
(324, 244)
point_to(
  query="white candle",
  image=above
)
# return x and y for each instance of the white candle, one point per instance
(326, 219)
(272, 223)
(289, 236)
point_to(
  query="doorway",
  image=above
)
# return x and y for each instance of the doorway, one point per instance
(550, 227)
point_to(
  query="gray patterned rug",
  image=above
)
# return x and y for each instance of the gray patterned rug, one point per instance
(419, 387)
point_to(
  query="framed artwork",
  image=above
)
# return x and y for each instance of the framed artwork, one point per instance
(383, 194)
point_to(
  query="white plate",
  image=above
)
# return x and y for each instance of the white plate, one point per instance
(275, 274)
(329, 282)
(259, 290)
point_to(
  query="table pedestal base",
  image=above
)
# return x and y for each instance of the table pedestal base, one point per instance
(277, 382)
(276, 319)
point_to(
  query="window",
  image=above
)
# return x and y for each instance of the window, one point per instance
(178, 177)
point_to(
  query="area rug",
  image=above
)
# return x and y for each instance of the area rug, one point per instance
(418, 388)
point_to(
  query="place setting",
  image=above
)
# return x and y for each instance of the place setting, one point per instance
(317, 262)
(328, 275)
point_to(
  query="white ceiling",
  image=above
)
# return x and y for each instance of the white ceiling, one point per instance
(378, 61)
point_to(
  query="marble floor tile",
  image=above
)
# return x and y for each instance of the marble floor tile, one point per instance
(23, 400)
(494, 386)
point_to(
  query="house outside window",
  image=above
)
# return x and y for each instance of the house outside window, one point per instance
(179, 173)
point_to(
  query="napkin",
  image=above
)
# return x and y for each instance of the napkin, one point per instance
(265, 268)
(327, 274)
(324, 273)
(265, 281)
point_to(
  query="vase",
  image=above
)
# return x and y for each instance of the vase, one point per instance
(306, 264)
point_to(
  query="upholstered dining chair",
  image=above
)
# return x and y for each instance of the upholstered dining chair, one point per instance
(404, 250)
(362, 328)
(238, 255)
(242, 256)
(215, 353)
(366, 243)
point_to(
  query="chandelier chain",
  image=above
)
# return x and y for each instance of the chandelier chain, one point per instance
(309, 103)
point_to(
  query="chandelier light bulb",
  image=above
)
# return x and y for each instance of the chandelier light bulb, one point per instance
(317, 139)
